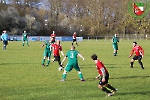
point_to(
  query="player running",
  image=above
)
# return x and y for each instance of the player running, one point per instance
(47, 53)
(115, 41)
(74, 39)
(4, 38)
(72, 63)
(139, 53)
(25, 38)
(104, 77)
(56, 48)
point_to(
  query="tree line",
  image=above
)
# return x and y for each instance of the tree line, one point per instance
(86, 17)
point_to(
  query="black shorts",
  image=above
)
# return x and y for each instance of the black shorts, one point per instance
(137, 57)
(106, 80)
(74, 40)
(5, 42)
(57, 58)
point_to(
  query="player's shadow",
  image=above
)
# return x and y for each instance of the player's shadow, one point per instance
(126, 77)
(92, 78)
(106, 65)
(16, 63)
(129, 93)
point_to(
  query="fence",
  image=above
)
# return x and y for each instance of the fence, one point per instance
(44, 38)
(126, 37)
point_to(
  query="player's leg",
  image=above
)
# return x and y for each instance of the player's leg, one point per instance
(23, 42)
(59, 62)
(76, 42)
(115, 49)
(132, 61)
(4, 45)
(108, 85)
(68, 68)
(102, 87)
(27, 42)
(64, 75)
(140, 62)
(48, 58)
(73, 41)
(77, 68)
(43, 60)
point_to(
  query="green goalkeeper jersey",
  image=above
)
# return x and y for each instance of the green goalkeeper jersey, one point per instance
(24, 35)
(115, 40)
(72, 56)
(48, 47)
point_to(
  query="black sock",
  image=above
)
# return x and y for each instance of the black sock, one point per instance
(131, 64)
(105, 90)
(141, 64)
(111, 87)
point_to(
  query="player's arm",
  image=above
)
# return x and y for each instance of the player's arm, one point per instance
(118, 40)
(2, 37)
(112, 40)
(81, 56)
(61, 51)
(97, 77)
(103, 74)
(63, 60)
(141, 51)
(131, 53)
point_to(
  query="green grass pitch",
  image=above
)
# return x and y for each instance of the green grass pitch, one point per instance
(23, 78)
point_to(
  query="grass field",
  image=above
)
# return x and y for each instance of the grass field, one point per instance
(23, 78)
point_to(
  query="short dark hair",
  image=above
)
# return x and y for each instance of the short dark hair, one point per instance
(94, 57)
(135, 42)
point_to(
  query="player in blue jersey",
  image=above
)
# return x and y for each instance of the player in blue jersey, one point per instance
(4, 38)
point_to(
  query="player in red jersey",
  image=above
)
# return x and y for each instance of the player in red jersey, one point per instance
(139, 53)
(104, 77)
(56, 48)
(53, 37)
(74, 38)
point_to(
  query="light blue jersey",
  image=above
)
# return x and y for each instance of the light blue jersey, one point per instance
(4, 37)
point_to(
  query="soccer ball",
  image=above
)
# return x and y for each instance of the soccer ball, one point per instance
(60, 68)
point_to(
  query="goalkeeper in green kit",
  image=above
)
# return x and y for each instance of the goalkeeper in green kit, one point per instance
(47, 53)
(25, 38)
(115, 41)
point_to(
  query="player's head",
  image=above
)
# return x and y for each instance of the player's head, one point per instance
(58, 42)
(24, 31)
(134, 44)
(53, 32)
(94, 57)
(74, 32)
(4, 31)
(72, 47)
(115, 35)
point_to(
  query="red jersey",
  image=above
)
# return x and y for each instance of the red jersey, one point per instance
(53, 35)
(74, 36)
(56, 49)
(137, 50)
(101, 68)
